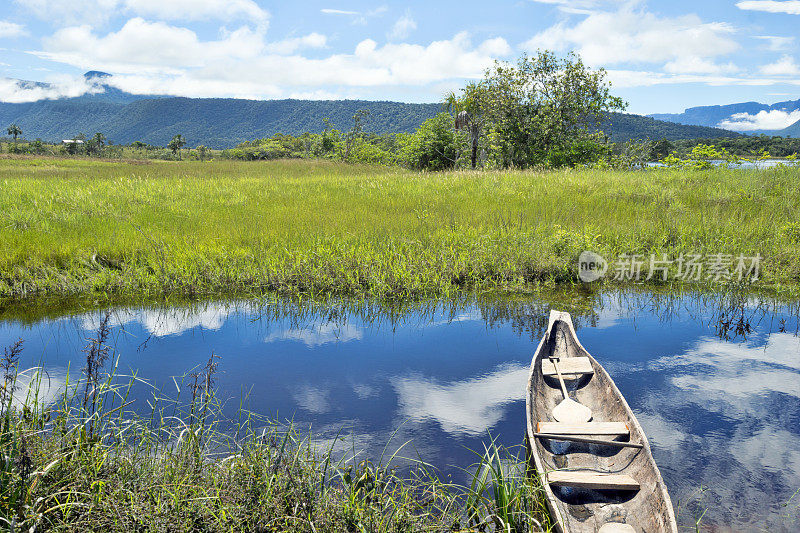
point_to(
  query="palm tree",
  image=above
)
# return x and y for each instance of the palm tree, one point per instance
(98, 142)
(176, 144)
(469, 108)
(14, 131)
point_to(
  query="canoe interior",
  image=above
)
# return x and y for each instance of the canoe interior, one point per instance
(584, 510)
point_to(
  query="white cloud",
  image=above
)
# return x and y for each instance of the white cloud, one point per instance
(576, 7)
(93, 12)
(763, 120)
(338, 12)
(358, 17)
(42, 386)
(16, 92)
(312, 399)
(639, 78)
(403, 27)
(790, 7)
(698, 65)
(294, 44)
(9, 30)
(66, 12)
(776, 43)
(634, 35)
(470, 407)
(157, 45)
(161, 323)
(785, 66)
(155, 57)
(199, 9)
(318, 334)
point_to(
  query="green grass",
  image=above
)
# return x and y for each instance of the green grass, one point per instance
(109, 229)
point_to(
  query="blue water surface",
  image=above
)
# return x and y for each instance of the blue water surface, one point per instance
(721, 408)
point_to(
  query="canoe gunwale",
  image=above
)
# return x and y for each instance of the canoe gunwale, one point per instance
(552, 500)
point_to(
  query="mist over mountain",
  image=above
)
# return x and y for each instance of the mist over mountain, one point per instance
(746, 117)
(224, 122)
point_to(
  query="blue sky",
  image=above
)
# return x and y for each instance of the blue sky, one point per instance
(662, 56)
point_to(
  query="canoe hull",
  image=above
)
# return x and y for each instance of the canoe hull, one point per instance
(578, 510)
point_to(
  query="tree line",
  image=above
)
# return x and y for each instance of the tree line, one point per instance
(544, 111)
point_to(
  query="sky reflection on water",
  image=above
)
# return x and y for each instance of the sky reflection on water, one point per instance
(722, 416)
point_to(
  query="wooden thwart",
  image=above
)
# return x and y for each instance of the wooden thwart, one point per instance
(568, 365)
(591, 480)
(588, 428)
(602, 442)
(616, 527)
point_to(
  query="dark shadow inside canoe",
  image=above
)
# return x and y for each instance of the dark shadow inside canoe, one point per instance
(580, 496)
(565, 448)
(571, 384)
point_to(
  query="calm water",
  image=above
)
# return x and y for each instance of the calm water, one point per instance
(722, 410)
(763, 164)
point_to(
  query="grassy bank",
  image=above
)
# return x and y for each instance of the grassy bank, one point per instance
(91, 461)
(302, 227)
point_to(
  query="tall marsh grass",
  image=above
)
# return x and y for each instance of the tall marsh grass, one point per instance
(92, 461)
(315, 227)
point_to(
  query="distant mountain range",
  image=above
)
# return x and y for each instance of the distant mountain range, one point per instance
(224, 122)
(714, 115)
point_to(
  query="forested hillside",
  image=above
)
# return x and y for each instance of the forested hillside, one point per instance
(224, 122)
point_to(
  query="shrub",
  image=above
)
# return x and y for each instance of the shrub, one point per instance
(434, 146)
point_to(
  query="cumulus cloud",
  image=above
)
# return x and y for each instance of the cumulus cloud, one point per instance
(632, 35)
(763, 120)
(469, 407)
(161, 323)
(785, 66)
(10, 30)
(403, 27)
(155, 45)
(155, 57)
(790, 7)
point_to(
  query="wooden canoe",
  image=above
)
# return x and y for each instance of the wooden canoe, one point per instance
(591, 487)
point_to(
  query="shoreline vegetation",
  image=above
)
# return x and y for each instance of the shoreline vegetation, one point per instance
(121, 230)
(86, 460)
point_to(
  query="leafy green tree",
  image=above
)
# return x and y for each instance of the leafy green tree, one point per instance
(661, 149)
(434, 146)
(544, 110)
(14, 131)
(176, 144)
(329, 136)
(201, 152)
(356, 132)
(96, 144)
